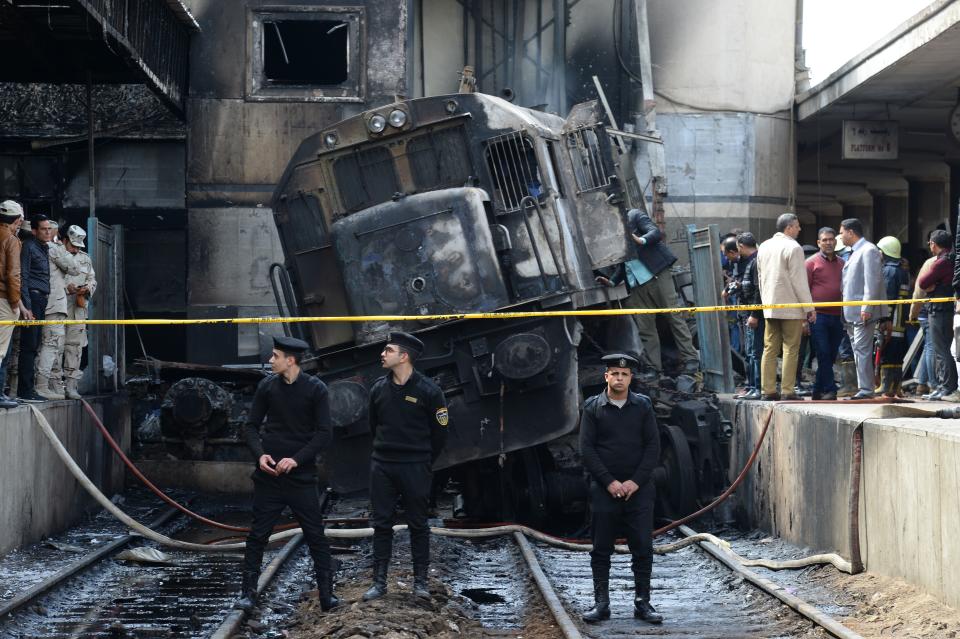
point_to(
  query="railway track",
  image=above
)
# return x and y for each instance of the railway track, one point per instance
(88, 593)
(698, 594)
(56, 594)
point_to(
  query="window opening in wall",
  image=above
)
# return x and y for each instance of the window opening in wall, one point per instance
(305, 52)
(514, 171)
(589, 164)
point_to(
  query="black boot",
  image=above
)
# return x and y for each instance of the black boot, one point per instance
(601, 598)
(421, 586)
(641, 605)
(248, 592)
(379, 587)
(328, 600)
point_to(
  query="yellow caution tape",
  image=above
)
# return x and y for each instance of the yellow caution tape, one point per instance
(465, 316)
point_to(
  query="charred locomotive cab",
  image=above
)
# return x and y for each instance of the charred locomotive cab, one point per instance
(456, 204)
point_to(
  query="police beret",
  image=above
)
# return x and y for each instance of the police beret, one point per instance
(407, 341)
(619, 360)
(290, 344)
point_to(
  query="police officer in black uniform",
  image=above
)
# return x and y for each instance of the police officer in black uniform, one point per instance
(297, 410)
(408, 423)
(620, 446)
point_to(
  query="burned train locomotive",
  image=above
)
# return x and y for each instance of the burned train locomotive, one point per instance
(454, 204)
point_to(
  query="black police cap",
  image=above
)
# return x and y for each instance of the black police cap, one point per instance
(290, 345)
(407, 341)
(619, 360)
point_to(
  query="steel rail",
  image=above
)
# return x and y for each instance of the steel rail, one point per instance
(84, 562)
(809, 611)
(233, 620)
(566, 624)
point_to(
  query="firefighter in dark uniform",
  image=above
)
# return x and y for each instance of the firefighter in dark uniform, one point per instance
(297, 410)
(620, 446)
(408, 424)
(893, 341)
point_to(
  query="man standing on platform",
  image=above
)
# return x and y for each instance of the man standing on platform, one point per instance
(938, 282)
(34, 290)
(62, 264)
(11, 216)
(825, 274)
(408, 424)
(297, 411)
(620, 446)
(862, 281)
(80, 288)
(783, 280)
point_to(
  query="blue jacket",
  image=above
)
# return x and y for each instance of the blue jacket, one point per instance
(34, 269)
(654, 254)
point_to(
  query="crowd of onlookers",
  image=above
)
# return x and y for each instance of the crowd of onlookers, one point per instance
(43, 275)
(867, 341)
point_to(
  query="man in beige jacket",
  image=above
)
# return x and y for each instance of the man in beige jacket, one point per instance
(783, 280)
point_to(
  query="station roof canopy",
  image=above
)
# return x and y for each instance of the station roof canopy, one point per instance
(910, 75)
(115, 41)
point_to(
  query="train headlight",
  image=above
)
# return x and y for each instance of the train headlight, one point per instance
(377, 124)
(331, 139)
(398, 118)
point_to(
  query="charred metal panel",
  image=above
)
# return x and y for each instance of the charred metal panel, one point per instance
(230, 253)
(425, 254)
(133, 175)
(156, 264)
(461, 358)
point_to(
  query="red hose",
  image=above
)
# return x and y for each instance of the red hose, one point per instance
(156, 491)
(728, 491)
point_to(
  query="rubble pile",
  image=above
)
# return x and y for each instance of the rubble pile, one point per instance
(399, 615)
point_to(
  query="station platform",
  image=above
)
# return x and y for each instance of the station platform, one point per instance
(800, 486)
(40, 496)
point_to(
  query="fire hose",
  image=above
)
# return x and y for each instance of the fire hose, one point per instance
(358, 533)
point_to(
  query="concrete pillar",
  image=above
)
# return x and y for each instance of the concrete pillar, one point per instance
(927, 207)
(889, 217)
(863, 212)
(953, 195)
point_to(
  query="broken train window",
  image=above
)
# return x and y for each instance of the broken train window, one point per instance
(589, 158)
(305, 54)
(514, 170)
(365, 177)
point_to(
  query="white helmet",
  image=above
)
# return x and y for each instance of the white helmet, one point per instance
(76, 235)
(9, 207)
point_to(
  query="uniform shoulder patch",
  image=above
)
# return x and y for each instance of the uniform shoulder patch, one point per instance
(443, 417)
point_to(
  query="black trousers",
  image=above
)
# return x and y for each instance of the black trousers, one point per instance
(635, 517)
(270, 496)
(30, 343)
(410, 481)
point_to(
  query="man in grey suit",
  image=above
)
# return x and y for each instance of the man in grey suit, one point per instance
(862, 281)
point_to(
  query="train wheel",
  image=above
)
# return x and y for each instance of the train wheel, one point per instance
(526, 489)
(677, 491)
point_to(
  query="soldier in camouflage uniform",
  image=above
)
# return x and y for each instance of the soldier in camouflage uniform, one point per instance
(62, 264)
(80, 288)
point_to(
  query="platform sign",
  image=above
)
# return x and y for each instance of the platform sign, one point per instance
(870, 139)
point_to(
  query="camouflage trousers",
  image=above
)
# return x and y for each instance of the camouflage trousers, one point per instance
(51, 354)
(74, 341)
